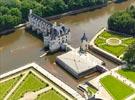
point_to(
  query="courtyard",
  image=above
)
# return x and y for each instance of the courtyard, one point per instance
(113, 43)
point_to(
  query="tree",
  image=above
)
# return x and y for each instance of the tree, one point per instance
(129, 56)
(4, 10)
(59, 6)
(26, 5)
(15, 12)
(11, 3)
(123, 21)
(131, 11)
(18, 10)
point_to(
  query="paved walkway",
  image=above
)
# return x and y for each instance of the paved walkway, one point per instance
(127, 38)
(4, 80)
(15, 86)
(33, 95)
(44, 90)
(102, 38)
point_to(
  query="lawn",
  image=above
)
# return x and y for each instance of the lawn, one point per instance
(128, 74)
(30, 83)
(51, 95)
(118, 49)
(6, 86)
(116, 88)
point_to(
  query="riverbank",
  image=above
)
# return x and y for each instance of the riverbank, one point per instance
(74, 12)
(8, 31)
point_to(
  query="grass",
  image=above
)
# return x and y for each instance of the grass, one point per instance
(30, 83)
(116, 88)
(129, 74)
(116, 50)
(51, 95)
(6, 86)
(106, 34)
(91, 90)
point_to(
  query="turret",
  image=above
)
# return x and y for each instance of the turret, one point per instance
(84, 44)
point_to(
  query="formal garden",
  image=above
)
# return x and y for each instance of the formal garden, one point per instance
(30, 84)
(114, 43)
(117, 89)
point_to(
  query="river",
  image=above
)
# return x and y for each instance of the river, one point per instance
(92, 21)
(20, 47)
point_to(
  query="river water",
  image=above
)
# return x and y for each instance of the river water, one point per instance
(20, 47)
(92, 21)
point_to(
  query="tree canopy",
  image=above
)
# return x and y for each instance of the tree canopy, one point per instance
(123, 21)
(129, 56)
(13, 12)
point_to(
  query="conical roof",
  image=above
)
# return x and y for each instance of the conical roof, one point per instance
(84, 37)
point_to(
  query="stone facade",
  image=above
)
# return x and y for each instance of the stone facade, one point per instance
(55, 36)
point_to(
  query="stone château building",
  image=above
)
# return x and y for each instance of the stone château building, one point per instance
(55, 36)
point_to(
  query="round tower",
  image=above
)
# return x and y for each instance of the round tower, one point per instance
(84, 44)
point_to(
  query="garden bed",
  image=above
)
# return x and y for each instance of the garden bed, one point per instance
(6, 86)
(51, 95)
